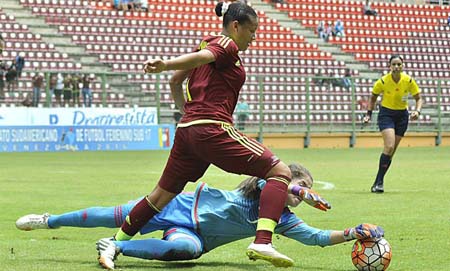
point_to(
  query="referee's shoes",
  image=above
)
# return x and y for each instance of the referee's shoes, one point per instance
(377, 188)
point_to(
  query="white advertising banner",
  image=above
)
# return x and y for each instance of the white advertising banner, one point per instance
(78, 116)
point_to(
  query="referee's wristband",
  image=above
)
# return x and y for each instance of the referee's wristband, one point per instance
(369, 113)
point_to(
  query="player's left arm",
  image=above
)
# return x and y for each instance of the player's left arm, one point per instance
(311, 236)
(415, 91)
(183, 62)
(176, 88)
(419, 101)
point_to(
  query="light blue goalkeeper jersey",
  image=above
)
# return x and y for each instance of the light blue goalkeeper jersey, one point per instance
(221, 217)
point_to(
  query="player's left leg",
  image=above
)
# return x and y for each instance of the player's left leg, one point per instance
(109, 217)
(385, 159)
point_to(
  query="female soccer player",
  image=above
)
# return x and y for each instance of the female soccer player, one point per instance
(193, 224)
(205, 134)
(393, 116)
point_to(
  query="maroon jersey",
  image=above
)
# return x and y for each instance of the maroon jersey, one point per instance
(213, 89)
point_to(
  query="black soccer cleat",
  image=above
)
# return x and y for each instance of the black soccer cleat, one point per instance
(377, 188)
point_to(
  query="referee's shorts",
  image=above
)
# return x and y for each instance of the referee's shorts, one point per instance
(395, 119)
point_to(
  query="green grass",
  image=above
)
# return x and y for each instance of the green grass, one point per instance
(414, 211)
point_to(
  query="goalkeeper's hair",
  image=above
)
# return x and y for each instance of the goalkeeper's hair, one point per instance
(249, 187)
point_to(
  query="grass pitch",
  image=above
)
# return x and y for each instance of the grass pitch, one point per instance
(414, 210)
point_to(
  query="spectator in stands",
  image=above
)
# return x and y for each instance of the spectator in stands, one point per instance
(11, 78)
(448, 20)
(346, 80)
(144, 5)
(2, 81)
(335, 80)
(177, 117)
(2, 45)
(38, 83)
(393, 115)
(59, 89)
(116, 4)
(319, 79)
(328, 32)
(242, 112)
(127, 5)
(138, 4)
(15, 82)
(86, 90)
(52, 84)
(321, 30)
(339, 28)
(20, 63)
(67, 91)
(367, 10)
(76, 80)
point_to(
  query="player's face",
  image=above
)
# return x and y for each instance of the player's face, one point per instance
(245, 34)
(396, 65)
(293, 200)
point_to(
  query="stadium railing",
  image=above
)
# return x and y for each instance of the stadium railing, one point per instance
(289, 104)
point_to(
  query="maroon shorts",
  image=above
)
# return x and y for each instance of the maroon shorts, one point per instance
(197, 146)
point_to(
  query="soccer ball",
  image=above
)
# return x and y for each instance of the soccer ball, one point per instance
(371, 254)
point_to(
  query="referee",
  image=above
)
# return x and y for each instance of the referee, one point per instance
(393, 117)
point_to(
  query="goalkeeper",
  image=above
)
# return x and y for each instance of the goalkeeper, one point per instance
(196, 223)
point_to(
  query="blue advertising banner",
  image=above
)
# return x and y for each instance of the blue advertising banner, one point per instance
(82, 129)
(86, 138)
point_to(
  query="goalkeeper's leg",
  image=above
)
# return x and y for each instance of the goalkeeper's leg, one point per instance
(109, 217)
(178, 244)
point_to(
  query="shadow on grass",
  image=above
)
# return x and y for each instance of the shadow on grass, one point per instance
(215, 264)
(158, 265)
(187, 265)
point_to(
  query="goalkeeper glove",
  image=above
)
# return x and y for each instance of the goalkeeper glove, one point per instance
(311, 197)
(363, 231)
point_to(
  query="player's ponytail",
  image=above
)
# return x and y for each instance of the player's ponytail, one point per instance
(236, 11)
(221, 8)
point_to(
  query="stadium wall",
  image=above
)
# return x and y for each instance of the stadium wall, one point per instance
(344, 140)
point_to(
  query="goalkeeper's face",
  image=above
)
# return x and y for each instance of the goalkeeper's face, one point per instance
(294, 201)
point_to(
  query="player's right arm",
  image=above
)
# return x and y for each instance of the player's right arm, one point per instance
(183, 62)
(377, 89)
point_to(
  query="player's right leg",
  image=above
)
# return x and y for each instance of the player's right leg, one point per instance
(234, 152)
(272, 202)
(178, 244)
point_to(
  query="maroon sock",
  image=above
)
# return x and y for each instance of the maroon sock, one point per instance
(141, 213)
(271, 204)
(263, 237)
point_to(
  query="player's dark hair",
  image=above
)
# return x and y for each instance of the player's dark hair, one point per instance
(249, 187)
(394, 57)
(237, 11)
